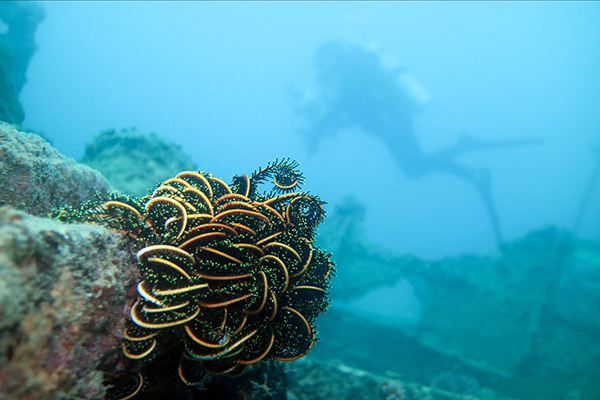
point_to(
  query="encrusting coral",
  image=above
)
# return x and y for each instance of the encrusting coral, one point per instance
(229, 276)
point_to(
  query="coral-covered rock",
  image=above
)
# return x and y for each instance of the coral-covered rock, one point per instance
(36, 178)
(311, 379)
(64, 292)
(135, 161)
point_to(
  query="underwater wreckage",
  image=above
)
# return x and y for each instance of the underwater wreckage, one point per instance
(229, 276)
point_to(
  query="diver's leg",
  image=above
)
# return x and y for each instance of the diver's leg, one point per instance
(469, 144)
(481, 180)
(414, 163)
(483, 186)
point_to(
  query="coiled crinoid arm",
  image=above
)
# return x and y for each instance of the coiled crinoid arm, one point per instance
(284, 175)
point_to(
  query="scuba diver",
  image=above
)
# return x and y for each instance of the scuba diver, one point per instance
(360, 87)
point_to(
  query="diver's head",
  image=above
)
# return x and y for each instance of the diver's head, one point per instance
(338, 60)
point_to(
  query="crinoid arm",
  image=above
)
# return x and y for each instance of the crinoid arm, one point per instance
(117, 211)
(283, 174)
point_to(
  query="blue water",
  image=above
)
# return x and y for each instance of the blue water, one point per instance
(215, 78)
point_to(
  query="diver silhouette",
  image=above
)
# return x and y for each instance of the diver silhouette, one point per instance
(358, 89)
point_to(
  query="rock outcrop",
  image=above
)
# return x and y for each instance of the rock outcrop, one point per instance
(64, 293)
(36, 178)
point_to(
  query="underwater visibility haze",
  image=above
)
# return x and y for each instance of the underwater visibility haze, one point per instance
(413, 213)
(216, 78)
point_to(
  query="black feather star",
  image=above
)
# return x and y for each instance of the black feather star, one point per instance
(229, 276)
